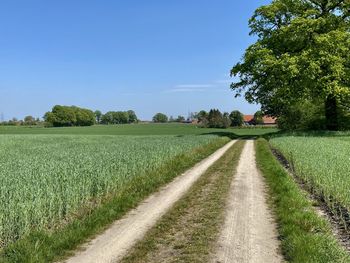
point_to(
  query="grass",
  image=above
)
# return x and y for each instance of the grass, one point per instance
(188, 232)
(305, 236)
(45, 179)
(323, 164)
(44, 246)
(134, 129)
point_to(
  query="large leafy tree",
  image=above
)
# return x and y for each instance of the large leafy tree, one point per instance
(302, 52)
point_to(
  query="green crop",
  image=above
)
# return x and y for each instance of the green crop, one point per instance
(47, 179)
(323, 163)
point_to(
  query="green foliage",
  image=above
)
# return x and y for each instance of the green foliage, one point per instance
(302, 52)
(258, 118)
(29, 120)
(132, 118)
(236, 118)
(305, 236)
(98, 115)
(160, 118)
(119, 117)
(180, 119)
(62, 116)
(217, 120)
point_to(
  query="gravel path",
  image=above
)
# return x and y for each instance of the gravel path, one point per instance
(114, 243)
(249, 233)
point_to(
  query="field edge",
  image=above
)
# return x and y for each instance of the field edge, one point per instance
(305, 236)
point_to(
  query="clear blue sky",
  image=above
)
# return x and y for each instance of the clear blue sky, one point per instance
(150, 56)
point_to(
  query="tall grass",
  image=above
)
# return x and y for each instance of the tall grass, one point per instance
(305, 236)
(323, 163)
(47, 180)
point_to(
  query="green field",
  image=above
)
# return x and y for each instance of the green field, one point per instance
(133, 129)
(46, 178)
(61, 185)
(322, 162)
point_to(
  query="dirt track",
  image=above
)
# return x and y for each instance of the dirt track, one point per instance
(249, 233)
(114, 243)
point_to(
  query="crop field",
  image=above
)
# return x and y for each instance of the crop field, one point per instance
(46, 179)
(322, 162)
(135, 129)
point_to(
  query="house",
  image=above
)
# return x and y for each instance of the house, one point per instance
(248, 119)
(267, 120)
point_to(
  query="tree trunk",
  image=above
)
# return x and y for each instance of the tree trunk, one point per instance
(331, 112)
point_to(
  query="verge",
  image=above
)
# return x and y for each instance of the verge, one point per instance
(305, 236)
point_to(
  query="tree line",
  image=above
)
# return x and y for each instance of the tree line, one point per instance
(62, 116)
(213, 119)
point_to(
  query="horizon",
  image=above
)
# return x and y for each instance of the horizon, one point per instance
(150, 57)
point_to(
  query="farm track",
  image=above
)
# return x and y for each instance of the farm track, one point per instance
(249, 233)
(115, 242)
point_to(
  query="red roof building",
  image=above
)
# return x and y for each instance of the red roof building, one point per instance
(249, 120)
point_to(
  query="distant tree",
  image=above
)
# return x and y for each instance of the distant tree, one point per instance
(171, 119)
(132, 118)
(29, 120)
(202, 115)
(160, 118)
(98, 116)
(61, 116)
(216, 119)
(258, 118)
(84, 117)
(107, 118)
(236, 118)
(180, 119)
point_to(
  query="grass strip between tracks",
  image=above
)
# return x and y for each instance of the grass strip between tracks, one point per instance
(188, 232)
(46, 247)
(305, 236)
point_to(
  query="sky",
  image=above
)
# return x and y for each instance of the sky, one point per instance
(150, 56)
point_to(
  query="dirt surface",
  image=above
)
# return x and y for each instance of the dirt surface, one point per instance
(114, 243)
(188, 231)
(249, 233)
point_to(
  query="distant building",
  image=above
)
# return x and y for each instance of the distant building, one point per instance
(267, 120)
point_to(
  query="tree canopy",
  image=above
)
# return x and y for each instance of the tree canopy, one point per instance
(69, 116)
(160, 118)
(302, 53)
(236, 118)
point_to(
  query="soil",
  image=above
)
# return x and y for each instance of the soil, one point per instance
(250, 232)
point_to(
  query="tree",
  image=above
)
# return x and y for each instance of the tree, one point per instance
(217, 120)
(61, 116)
(98, 116)
(180, 118)
(302, 53)
(202, 116)
(132, 118)
(29, 120)
(236, 118)
(258, 118)
(160, 118)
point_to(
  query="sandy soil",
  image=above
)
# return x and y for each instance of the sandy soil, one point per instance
(249, 233)
(114, 243)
